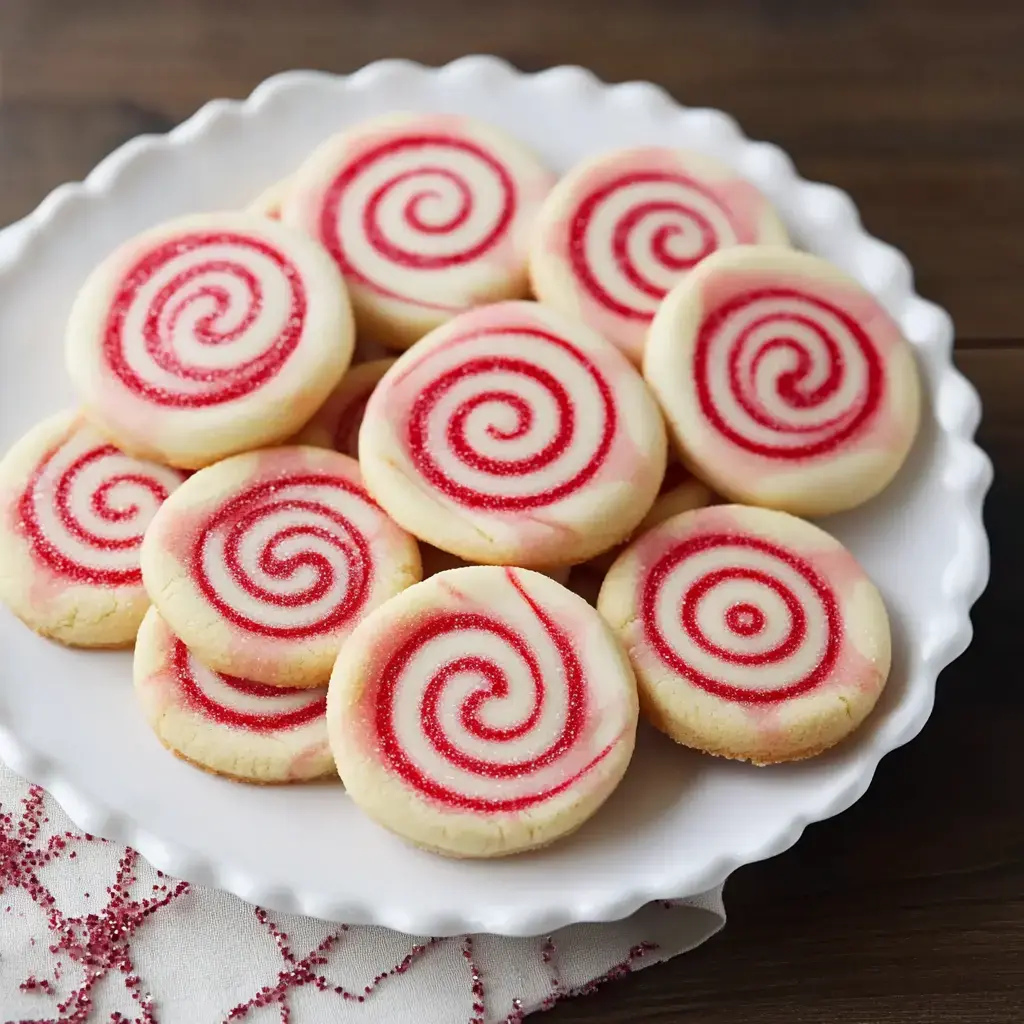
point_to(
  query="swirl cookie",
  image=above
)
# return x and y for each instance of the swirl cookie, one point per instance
(783, 381)
(247, 731)
(263, 563)
(208, 335)
(74, 509)
(621, 229)
(337, 423)
(514, 436)
(425, 214)
(482, 712)
(754, 634)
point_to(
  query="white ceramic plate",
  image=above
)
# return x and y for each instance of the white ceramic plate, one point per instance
(680, 822)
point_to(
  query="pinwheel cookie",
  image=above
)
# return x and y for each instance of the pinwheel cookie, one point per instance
(482, 712)
(621, 229)
(425, 215)
(263, 563)
(513, 435)
(754, 634)
(209, 335)
(235, 727)
(74, 509)
(783, 381)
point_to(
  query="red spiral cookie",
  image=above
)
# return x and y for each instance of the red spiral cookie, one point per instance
(74, 511)
(753, 634)
(247, 731)
(482, 712)
(209, 335)
(336, 425)
(425, 215)
(784, 383)
(621, 229)
(263, 563)
(513, 435)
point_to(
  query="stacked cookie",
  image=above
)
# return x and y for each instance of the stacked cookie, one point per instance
(579, 373)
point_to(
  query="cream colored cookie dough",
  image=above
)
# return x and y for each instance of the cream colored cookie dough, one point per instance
(680, 492)
(266, 561)
(73, 509)
(753, 634)
(234, 727)
(515, 436)
(784, 382)
(426, 215)
(483, 712)
(208, 335)
(269, 202)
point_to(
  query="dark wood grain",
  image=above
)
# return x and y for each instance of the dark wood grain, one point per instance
(909, 908)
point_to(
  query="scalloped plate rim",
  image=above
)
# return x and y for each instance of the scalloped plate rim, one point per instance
(957, 409)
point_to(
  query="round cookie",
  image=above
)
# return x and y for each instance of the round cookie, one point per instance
(337, 423)
(621, 229)
(244, 730)
(425, 214)
(208, 335)
(513, 435)
(784, 382)
(269, 202)
(73, 509)
(754, 635)
(263, 563)
(482, 712)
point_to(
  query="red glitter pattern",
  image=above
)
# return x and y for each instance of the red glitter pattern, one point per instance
(252, 721)
(99, 942)
(423, 189)
(736, 336)
(316, 522)
(676, 217)
(513, 368)
(105, 502)
(744, 619)
(493, 685)
(186, 292)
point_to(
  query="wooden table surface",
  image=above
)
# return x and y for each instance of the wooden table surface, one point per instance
(910, 906)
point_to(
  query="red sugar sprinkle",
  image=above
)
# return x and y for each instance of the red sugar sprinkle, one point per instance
(99, 942)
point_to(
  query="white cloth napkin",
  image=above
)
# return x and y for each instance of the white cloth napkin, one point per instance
(91, 934)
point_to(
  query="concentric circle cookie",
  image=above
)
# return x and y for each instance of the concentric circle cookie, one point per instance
(209, 335)
(336, 425)
(621, 229)
(264, 563)
(425, 214)
(73, 509)
(513, 435)
(482, 712)
(247, 731)
(783, 381)
(754, 634)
